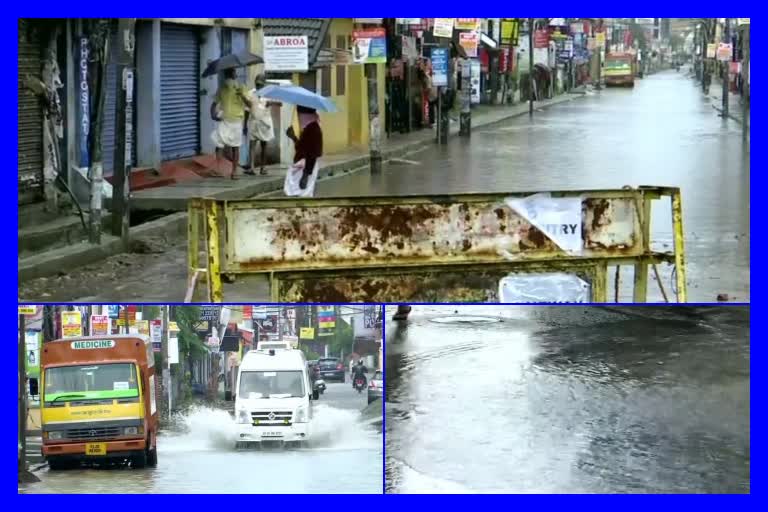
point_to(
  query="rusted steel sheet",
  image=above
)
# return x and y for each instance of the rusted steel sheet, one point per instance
(462, 283)
(414, 231)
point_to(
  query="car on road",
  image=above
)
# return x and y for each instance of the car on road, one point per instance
(331, 368)
(376, 386)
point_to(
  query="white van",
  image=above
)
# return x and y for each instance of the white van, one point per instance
(274, 398)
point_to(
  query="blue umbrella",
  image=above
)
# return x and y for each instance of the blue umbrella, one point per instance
(297, 96)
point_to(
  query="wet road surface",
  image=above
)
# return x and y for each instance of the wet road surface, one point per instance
(662, 132)
(344, 457)
(568, 399)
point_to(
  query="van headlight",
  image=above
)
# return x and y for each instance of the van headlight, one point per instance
(243, 416)
(301, 415)
(54, 435)
(130, 431)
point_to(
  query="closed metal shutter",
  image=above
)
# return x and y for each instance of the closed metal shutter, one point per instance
(179, 92)
(108, 134)
(30, 151)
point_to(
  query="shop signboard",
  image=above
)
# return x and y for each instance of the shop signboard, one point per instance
(724, 52)
(440, 67)
(100, 325)
(369, 46)
(71, 324)
(541, 39)
(510, 32)
(443, 27)
(470, 42)
(467, 24)
(284, 54)
(475, 81)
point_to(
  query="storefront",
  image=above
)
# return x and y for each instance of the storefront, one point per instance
(179, 91)
(30, 125)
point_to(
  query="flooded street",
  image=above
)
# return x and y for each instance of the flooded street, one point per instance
(534, 399)
(663, 132)
(344, 456)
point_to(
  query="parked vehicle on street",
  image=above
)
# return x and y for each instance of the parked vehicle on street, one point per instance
(98, 401)
(376, 386)
(274, 398)
(618, 69)
(331, 368)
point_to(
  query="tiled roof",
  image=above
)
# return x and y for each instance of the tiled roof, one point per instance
(314, 28)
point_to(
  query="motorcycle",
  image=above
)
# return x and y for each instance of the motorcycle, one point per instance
(320, 386)
(360, 384)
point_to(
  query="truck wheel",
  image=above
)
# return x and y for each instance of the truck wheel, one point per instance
(139, 460)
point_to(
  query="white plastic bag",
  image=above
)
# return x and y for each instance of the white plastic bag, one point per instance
(545, 287)
(293, 177)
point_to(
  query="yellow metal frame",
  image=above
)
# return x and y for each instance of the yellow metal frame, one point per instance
(214, 217)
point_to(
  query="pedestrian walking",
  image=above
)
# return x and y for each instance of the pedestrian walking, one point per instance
(260, 126)
(308, 150)
(228, 110)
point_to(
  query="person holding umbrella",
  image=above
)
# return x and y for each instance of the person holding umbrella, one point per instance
(308, 145)
(300, 178)
(228, 109)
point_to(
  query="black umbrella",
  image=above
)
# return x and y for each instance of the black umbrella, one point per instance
(231, 61)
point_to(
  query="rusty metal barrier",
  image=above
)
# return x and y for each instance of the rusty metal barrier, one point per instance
(421, 248)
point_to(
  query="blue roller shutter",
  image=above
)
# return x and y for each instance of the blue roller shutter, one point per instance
(179, 92)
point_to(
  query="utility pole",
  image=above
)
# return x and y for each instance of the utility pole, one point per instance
(374, 135)
(99, 39)
(530, 67)
(726, 64)
(164, 352)
(745, 95)
(123, 129)
(22, 398)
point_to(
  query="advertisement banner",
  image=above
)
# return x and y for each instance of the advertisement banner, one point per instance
(368, 21)
(724, 52)
(440, 67)
(475, 82)
(467, 24)
(443, 27)
(286, 54)
(27, 310)
(210, 313)
(326, 320)
(173, 350)
(71, 324)
(247, 312)
(142, 326)
(510, 32)
(541, 39)
(32, 349)
(600, 39)
(307, 333)
(369, 46)
(100, 325)
(711, 50)
(743, 21)
(113, 311)
(470, 42)
(156, 334)
(370, 317)
(408, 21)
(83, 102)
(269, 324)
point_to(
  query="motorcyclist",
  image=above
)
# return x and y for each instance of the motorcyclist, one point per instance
(358, 372)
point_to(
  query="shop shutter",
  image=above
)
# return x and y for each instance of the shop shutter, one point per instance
(108, 134)
(30, 152)
(179, 92)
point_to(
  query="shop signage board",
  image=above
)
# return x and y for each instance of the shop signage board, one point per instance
(467, 24)
(369, 46)
(510, 32)
(724, 52)
(443, 27)
(286, 54)
(100, 325)
(470, 42)
(71, 324)
(440, 67)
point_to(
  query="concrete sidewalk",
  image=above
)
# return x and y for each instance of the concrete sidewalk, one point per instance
(735, 107)
(174, 198)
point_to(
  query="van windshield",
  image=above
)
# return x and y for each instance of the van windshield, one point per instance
(271, 384)
(91, 382)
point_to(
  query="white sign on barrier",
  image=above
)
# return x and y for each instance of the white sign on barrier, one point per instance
(559, 218)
